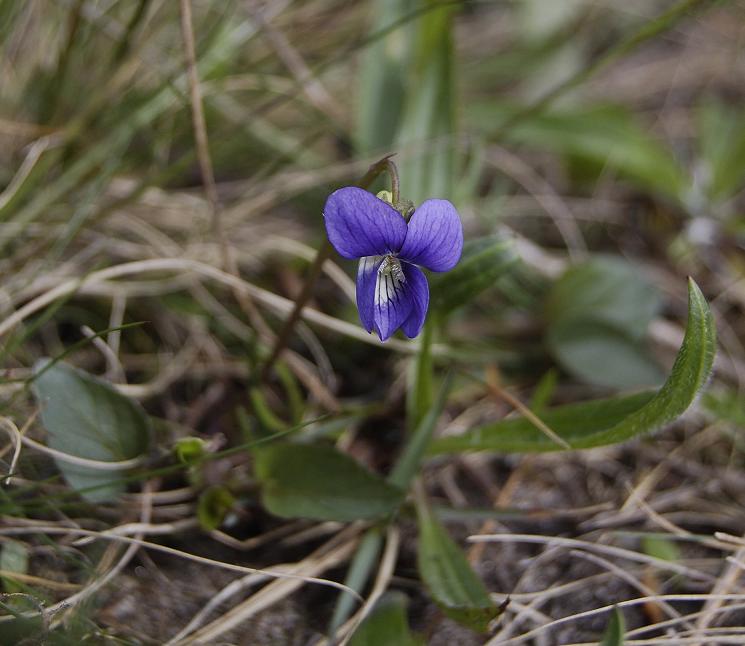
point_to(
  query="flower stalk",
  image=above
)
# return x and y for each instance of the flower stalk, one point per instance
(383, 165)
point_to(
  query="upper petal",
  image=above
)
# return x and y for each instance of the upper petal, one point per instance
(418, 290)
(435, 236)
(359, 224)
(367, 278)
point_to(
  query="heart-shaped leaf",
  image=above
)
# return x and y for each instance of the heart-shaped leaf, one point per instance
(603, 355)
(598, 313)
(86, 417)
(605, 289)
(317, 481)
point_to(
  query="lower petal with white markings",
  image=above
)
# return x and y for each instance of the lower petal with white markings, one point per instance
(391, 294)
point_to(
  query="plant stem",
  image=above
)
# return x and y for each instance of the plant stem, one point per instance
(395, 183)
(384, 165)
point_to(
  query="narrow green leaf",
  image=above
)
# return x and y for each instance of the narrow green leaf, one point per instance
(605, 135)
(722, 143)
(661, 548)
(612, 420)
(265, 416)
(386, 625)
(364, 560)
(382, 86)
(429, 110)
(295, 399)
(416, 447)
(420, 393)
(483, 261)
(544, 391)
(575, 423)
(87, 418)
(162, 101)
(454, 586)
(613, 635)
(317, 481)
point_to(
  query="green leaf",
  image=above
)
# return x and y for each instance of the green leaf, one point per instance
(411, 457)
(613, 635)
(726, 405)
(483, 261)
(606, 289)
(611, 420)
(269, 422)
(87, 418)
(429, 110)
(602, 355)
(317, 481)
(214, 503)
(420, 392)
(13, 558)
(451, 582)
(608, 136)
(366, 557)
(382, 87)
(544, 391)
(598, 313)
(722, 143)
(386, 625)
(578, 424)
(21, 620)
(661, 548)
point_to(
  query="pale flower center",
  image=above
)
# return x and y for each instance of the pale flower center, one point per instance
(391, 266)
(391, 278)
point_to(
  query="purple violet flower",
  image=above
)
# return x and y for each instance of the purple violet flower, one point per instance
(392, 292)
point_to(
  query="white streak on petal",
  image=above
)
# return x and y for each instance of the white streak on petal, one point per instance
(388, 288)
(367, 278)
(391, 304)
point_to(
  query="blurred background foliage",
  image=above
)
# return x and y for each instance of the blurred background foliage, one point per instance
(596, 153)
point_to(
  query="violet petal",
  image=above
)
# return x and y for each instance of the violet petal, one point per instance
(367, 277)
(435, 236)
(392, 304)
(359, 224)
(418, 291)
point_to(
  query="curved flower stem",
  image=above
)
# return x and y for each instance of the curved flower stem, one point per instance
(384, 165)
(395, 183)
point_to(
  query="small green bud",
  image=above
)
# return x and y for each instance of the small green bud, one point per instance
(404, 207)
(386, 196)
(189, 449)
(213, 505)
